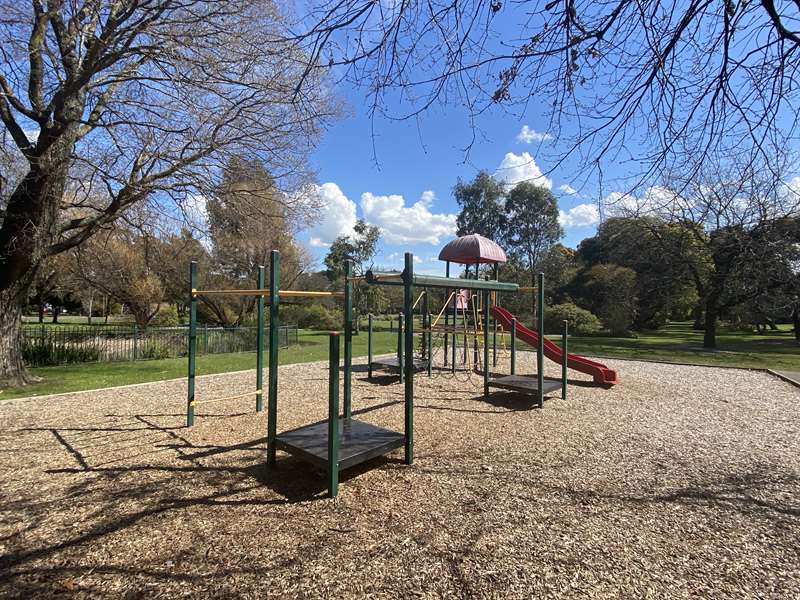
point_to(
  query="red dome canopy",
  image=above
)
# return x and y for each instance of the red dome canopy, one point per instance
(472, 249)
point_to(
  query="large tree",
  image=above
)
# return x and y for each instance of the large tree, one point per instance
(112, 103)
(481, 203)
(532, 226)
(739, 216)
(360, 247)
(248, 217)
(660, 254)
(122, 264)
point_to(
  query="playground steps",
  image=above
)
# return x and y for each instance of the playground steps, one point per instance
(392, 364)
(526, 384)
(358, 442)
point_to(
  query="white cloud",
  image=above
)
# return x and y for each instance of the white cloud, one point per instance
(427, 197)
(401, 224)
(337, 215)
(582, 215)
(521, 167)
(567, 189)
(528, 135)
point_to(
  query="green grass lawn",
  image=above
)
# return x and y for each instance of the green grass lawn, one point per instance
(313, 346)
(676, 342)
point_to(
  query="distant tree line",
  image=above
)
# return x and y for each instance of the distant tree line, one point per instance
(726, 247)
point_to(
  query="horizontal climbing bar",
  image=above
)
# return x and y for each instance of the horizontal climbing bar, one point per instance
(227, 398)
(265, 292)
(434, 281)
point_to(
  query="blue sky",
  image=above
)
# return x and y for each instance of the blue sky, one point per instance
(399, 176)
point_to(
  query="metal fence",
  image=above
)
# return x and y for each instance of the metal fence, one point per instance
(47, 345)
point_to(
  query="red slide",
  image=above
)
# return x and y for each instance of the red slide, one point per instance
(601, 373)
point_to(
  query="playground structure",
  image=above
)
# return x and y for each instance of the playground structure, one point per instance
(471, 314)
(340, 441)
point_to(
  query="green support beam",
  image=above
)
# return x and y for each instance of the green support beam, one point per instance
(408, 302)
(485, 344)
(333, 415)
(540, 328)
(348, 337)
(434, 281)
(446, 315)
(192, 343)
(272, 400)
(369, 346)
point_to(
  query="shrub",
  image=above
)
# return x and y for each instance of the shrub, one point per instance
(154, 350)
(612, 290)
(167, 316)
(311, 316)
(581, 321)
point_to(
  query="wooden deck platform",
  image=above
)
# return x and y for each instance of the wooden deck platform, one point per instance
(358, 442)
(525, 384)
(391, 364)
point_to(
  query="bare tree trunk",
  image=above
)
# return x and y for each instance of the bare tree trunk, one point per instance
(12, 369)
(711, 315)
(26, 233)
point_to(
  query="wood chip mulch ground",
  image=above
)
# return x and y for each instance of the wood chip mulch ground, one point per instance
(679, 482)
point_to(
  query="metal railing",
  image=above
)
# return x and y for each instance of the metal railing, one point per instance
(44, 344)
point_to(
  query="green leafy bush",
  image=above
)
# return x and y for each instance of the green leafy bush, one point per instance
(167, 316)
(312, 316)
(581, 321)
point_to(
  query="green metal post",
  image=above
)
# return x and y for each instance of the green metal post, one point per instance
(494, 322)
(408, 302)
(369, 346)
(135, 341)
(272, 399)
(348, 336)
(192, 343)
(455, 320)
(262, 281)
(485, 345)
(477, 315)
(400, 323)
(333, 415)
(446, 313)
(205, 338)
(540, 353)
(564, 359)
(514, 346)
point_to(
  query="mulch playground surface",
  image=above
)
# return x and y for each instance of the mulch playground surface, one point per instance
(679, 482)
